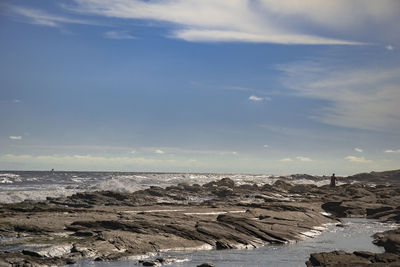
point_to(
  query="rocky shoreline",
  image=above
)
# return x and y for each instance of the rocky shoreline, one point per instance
(107, 225)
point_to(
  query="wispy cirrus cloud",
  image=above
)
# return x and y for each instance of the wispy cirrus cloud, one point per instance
(309, 22)
(259, 21)
(362, 97)
(15, 137)
(43, 18)
(357, 149)
(118, 35)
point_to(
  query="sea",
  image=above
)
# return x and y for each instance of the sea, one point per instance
(17, 186)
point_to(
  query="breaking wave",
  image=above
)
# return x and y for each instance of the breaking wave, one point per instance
(35, 185)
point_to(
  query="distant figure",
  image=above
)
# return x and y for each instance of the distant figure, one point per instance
(52, 170)
(333, 180)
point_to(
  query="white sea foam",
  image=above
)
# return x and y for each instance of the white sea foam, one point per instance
(201, 247)
(9, 178)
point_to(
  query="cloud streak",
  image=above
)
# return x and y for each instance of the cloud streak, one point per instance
(304, 159)
(118, 35)
(298, 158)
(256, 21)
(43, 18)
(13, 137)
(255, 98)
(357, 159)
(392, 151)
(363, 98)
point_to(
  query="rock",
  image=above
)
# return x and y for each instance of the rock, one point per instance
(283, 185)
(206, 265)
(385, 177)
(49, 252)
(223, 191)
(336, 258)
(357, 258)
(108, 225)
(148, 263)
(373, 211)
(223, 182)
(158, 261)
(156, 191)
(390, 240)
(17, 258)
(302, 188)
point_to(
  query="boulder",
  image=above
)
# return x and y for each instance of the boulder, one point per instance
(283, 185)
(302, 188)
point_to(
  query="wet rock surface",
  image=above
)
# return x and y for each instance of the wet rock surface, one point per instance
(358, 258)
(109, 225)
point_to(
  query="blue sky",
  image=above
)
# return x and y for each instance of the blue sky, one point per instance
(256, 86)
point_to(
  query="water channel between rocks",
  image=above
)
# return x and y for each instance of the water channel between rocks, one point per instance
(355, 235)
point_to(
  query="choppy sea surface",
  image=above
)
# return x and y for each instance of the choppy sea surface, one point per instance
(16, 186)
(355, 236)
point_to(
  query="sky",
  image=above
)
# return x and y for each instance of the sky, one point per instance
(238, 86)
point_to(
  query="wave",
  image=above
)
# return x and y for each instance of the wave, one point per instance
(20, 186)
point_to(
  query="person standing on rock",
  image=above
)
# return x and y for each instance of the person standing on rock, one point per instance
(333, 180)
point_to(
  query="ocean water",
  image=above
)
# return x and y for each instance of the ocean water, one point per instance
(356, 235)
(16, 186)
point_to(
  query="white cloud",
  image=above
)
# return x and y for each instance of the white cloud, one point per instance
(364, 98)
(118, 35)
(16, 101)
(194, 35)
(392, 151)
(266, 146)
(234, 153)
(298, 158)
(260, 21)
(133, 151)
(159, 151)
(358, 149)
(338, 14)
(40, 17)
(389, 47)
(304, 159)
(358, 159)
(255, 98)
(13, 137)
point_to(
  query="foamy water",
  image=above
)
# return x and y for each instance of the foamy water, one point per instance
(19, 186)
